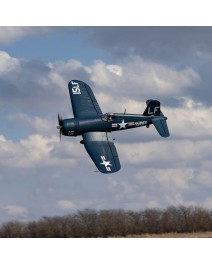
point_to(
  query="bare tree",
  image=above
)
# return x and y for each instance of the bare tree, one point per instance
(152, 221)
(201, 220)
(12, 229)
(89, 221)
(109, 223)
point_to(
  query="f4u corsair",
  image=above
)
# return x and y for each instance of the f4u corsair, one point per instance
(96, 127)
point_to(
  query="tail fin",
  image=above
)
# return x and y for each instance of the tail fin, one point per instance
(158, 119)
(153, 108)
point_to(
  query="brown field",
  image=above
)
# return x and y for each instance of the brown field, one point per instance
(174, 235)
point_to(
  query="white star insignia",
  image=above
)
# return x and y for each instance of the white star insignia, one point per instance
(122, 124)
(106, 163)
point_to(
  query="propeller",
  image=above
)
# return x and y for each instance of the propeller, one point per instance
(60, 125)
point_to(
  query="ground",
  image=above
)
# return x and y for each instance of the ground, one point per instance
(174, 235)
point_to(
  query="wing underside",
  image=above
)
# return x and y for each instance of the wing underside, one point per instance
(102, 151)
(84, 103)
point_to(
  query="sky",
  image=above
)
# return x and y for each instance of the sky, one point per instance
(124, 66)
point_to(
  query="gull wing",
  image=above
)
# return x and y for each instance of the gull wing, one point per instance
(84, 103)
(102, 151)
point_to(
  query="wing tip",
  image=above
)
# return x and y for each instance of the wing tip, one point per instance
(109, 170)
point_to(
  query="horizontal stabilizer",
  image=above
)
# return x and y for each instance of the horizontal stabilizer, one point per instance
(161, 126)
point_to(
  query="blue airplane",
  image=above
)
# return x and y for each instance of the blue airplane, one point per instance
(96, 127)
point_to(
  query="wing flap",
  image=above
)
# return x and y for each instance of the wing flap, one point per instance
(102, 151)
(84, 103)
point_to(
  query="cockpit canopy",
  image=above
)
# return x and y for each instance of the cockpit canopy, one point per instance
(108, 117)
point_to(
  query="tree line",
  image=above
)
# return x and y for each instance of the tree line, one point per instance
(113, 223)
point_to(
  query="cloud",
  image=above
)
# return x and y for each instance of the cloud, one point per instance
(165, 154)
(155, 187)
(134, 76)
(34, 151)
(42, 152)
(7, 63)
(66, 205)
(191, 120)
(178, 47)
(158, 78)
(11, 34)
(143, 78)
(38, 87)
(15, 210)
(34, 86)
(34, 124)
(175, 45)
(76, 205)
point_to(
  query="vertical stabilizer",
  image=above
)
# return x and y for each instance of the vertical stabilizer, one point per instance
(153, 108)
(158, 119)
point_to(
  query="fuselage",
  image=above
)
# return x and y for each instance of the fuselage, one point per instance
(104, 123)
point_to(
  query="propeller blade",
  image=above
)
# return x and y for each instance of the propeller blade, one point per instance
(59, 119)
(60, 134)
(60, 125)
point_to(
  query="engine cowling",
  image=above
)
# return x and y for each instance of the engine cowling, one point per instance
(70, 127)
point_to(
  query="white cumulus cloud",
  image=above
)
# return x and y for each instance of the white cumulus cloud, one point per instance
(7, 63)
(137, 76)
(9, 34)
(66, 205)
(15, 210)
